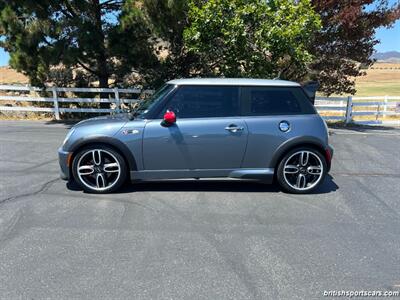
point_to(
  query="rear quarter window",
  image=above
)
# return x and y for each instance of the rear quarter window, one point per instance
(262, 101)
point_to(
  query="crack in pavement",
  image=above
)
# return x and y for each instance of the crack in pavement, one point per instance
(34, 166)
(43, 188)
(97, 198)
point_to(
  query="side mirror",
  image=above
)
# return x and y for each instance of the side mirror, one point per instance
(169, 118)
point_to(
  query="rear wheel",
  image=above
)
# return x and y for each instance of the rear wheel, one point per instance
(99, 169)
(301, 170)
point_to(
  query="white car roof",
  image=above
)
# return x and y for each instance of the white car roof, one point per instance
(232, 81)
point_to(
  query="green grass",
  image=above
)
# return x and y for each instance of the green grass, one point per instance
(374, 89)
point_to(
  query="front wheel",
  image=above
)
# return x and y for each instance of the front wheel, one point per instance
(301, 170)
(99, 169)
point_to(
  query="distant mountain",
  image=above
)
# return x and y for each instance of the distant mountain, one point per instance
(389, 56)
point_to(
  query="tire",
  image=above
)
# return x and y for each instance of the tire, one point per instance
(301, 174)
(99, 169)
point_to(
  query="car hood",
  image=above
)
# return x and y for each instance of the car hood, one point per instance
(106, 126)
(105, 120)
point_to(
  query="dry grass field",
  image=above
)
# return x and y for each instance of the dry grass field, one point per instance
(10, 76)
(381, 79)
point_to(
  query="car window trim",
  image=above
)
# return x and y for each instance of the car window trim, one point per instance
(242, 114)
(155, 111)
(169, 97)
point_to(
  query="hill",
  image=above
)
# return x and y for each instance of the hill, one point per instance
(10, 76)
(390, 56)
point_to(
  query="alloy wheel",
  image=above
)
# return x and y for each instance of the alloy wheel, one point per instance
(303, 170)
(98, 169)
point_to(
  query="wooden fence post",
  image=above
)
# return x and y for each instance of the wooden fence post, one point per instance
(349, 109)
(385, 105)
(117, 100)
(55, 101)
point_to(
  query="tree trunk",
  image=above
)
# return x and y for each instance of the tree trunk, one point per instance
(101, 58)
(103, 81)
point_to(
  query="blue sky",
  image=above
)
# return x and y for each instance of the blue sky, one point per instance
(389, 40)
(389, 37)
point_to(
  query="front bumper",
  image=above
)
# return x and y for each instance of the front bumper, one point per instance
(64, 159)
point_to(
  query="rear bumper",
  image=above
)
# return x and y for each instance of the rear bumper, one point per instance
(63, 159)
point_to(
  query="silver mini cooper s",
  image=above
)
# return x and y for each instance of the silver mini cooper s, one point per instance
(257, 129)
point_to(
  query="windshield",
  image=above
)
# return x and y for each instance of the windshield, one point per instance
(146, 104)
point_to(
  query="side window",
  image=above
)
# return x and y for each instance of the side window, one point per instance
(204, 102)
(261, 101)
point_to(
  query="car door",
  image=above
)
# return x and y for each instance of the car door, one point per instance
(208, 133)
(264, 108)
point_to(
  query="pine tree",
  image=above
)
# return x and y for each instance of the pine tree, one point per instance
(77, 35)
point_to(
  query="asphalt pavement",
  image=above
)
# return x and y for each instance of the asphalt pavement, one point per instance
(197, 239)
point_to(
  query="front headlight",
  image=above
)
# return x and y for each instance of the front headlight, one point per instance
(70, 132)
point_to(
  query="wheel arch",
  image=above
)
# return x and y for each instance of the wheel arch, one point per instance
(107, 141)
(309, 142)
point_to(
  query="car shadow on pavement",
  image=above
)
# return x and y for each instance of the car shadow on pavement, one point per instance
(208, 185)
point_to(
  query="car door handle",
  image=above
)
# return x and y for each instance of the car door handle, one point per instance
(234, 128)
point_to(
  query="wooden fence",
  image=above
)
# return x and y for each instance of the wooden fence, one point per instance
(361, 110)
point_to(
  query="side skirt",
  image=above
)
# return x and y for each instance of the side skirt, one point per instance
(266, 175)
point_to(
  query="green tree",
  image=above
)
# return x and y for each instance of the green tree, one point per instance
(167, 20)
(74, 35)
(241, 38)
